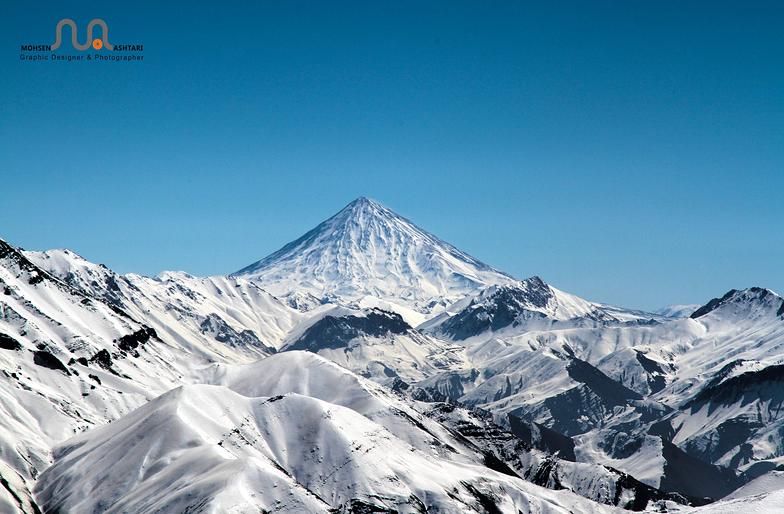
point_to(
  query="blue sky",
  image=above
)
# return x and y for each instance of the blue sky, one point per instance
(628, 152)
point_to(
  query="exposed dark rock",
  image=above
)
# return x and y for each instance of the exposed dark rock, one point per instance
(713, 304)
(47, 360)
(332, 332)
(428, 395)
(18, 500)
(759, 292)
(643, 494)
(450, 386)
(620, 444)
(691, 476)
(500, 310)
(496, 464)
(546, 474)
(398, 385)
(130, 342)
(6, 250)
(656, 375)
(611, 392)
(487, 502)
(356, 506)
(508, 449)
(103, 359)
(543, 438)
(9, 343)
(224, 333)
(750, 386)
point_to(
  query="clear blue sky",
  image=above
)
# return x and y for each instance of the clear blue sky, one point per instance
(628, 152)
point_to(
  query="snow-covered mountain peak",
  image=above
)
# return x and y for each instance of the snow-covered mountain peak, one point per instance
(677, 310)
(367, 249)
(745, 303)
(533, 292)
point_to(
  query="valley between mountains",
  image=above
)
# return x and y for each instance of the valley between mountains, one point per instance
(369, 366)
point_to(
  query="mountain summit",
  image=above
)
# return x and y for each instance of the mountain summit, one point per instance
(367, 250)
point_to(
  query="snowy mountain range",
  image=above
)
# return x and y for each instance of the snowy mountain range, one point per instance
(369, 366)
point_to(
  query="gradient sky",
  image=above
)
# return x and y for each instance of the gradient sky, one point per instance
(628, 152)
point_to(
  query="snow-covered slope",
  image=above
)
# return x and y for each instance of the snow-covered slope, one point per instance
(678, 310)
(206, 448)
(216, 317)
(767, 483)
(648, 397)
(768, 503)
(374, 343)
(297, 433)
(531, 304)
(68, 362)
(427, 426)
(366, 250)
(111, 370)
(686, 400)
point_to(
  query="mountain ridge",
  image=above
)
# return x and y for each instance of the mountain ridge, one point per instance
(643, 393)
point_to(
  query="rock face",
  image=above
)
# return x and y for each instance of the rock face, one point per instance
(9, 343)
(332, 332)
(47, 360)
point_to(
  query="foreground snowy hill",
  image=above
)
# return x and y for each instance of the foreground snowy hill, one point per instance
(207, 448)
(769, 503)
(366, 250)
(450, 431)
(297, 433)
(68, 362)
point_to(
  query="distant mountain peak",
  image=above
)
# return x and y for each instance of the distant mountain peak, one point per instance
(365, 205)
(366, 249)
(751, 298)
(364, 200)
(536, 282)
(677, 310)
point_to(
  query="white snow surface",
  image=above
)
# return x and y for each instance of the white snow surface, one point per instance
(223, 331)
(678, 310)
(769, 503)
(176, 304)
(769, 482)
(368, 250)
(212, 448)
